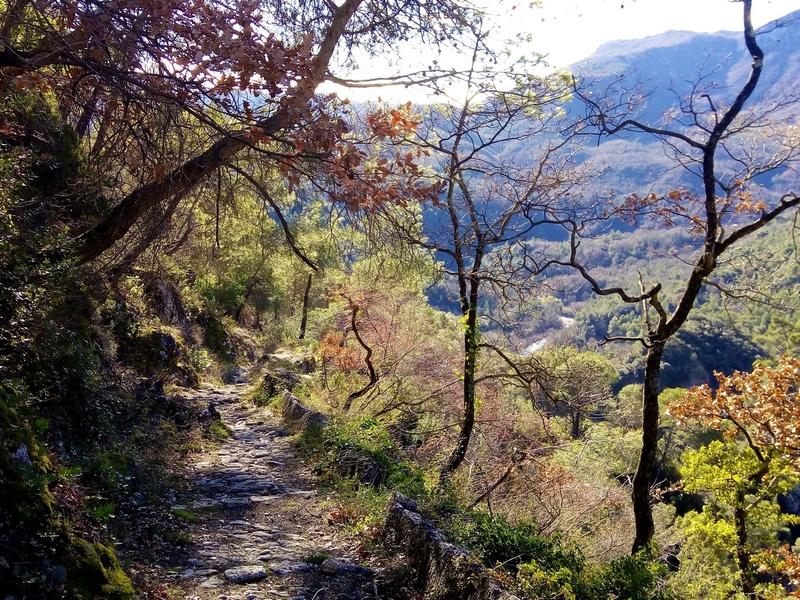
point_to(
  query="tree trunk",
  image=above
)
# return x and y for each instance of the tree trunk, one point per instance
(742, 555)
(123, 216)
(468, 421)
(373, 375)
(642, 510)
(304, 319)
(119, 221)
(576, 424)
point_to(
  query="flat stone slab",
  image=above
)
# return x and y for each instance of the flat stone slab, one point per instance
(246, 573)
(335, 566)
(288, 568)
(212, 582)
(192, 573)
(235, 502)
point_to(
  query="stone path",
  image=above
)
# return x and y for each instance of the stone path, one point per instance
(258, 526)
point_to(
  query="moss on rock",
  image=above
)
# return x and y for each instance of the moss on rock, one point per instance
(95, 572)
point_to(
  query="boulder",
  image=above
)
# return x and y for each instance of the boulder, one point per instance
(235, 375)
(288, 380)
(270, 385)
(279, 381)
(299, 416)
(352, 462)
(21, 456)
(210, 413)
(336, 566)
(166, 300)
(168, 348)
(790, 501)
(307, 364)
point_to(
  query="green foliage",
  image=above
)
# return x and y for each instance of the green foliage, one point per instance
(370, 437)
(500, 543)
(109, 469)
(719, 468)
(25, 469)
(707, 569)
(103, 510)
(199, 359)
(317, 558)
(605, 450)
(535, 582)
(215, 337)
(218, 431)
(637, 577)
(722, 472)
(185, 514)
(545, 567)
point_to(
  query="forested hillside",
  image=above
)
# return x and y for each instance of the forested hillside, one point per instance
(536, 340)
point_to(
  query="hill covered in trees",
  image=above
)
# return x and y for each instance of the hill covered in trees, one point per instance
(551, 320)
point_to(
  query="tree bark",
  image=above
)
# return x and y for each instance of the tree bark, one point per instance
(373, 375)
(304, 319)
(742, 555)
(643, 513)
(576, 424)
(468, 420)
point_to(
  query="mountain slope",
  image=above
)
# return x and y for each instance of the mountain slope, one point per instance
(664, 68)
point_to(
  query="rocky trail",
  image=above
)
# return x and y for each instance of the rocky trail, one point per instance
(259, 526)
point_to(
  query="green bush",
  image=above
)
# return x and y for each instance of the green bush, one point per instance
(370, 437)
(535, 582)
(500, 543)
(637, 577)
(545, 568)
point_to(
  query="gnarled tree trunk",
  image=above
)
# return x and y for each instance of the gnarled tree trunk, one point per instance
(183, 179)
(643, 513)
(470, 363)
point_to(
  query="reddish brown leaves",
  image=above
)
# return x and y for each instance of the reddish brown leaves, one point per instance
(680, 207)
(228, 67)
(393, 123)
(763, 405)
(334, 352)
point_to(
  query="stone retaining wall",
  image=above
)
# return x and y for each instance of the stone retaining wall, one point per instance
(443, 570)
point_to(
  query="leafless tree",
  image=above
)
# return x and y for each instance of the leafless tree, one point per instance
(493, 199)
(714, 139)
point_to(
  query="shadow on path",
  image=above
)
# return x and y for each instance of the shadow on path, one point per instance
(259, 530)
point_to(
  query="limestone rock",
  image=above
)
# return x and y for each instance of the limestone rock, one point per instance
(335, 566)
(245, 573)
(235, 375)
(299, 416)
(352, 462)
(790, 502)
(22, 456)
